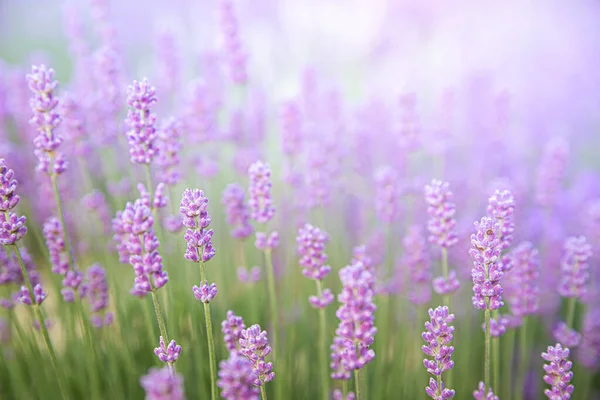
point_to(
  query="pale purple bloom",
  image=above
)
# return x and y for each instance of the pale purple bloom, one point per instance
(574, 268)
(338, 395)
(95, 289)
(205, 293)
(12, 227)
(236, 210)
(255, 347)
(441, 210)
(497, 327)
(339, 347)
(565, 335)
(551, 171)
(168, 62)
(236, 379)
(232, 328)
(486, 272)
(109, 100)
(438, 334)
(141, 134)
(480, 393)
(168, 157)
(260, 202)
(445, 286)
(249, 277)
(589, 350)
(266, 242)
(194, 209)
(38, 294)
(291, 128)
(416, 258)
(169, 353)
(45, 120)
(558, 373)
(73, 127)
(522, 289)
(161, 384)
(311, 243)
(438, 393)
(386, 194)
(236, 56)
(322, 301)
(501, 206)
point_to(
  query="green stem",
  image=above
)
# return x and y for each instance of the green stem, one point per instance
(43, 329)
(210, 339)
(273, 302)
(61, 215)
(445, 273)
(322, 348)
(496, 362)
(263, 392)
(522, 371)
(487, 350)
(508, 362)
(357, 384)
(571, 307)
(345, 388)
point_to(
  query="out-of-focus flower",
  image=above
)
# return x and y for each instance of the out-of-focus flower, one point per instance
(161, 384)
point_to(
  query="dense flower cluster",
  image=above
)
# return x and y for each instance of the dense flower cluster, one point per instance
(574, 268)
(236, 211)
(311, 243)
(161, 384)
(356, 330)
(260, 202)
(10, 274)
(12, 227)
(386, 194)
(255, 347)
(565, 335)
(167, 353)
(194, 209)
(419, 266)
(237, 379)
(95, 289)
(441, 210)
(140, 121)
(438, 334)
(558, 373)
(232, 328)
(168, 157)
(501, 206)
(480, 393)
(487, 292)
(523, 289)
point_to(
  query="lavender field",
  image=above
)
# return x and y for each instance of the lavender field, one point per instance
(387, 199)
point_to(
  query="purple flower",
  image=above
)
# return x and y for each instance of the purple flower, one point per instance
(415, 257)
(264, 242)
(563, 334)
(161, 384)
(558, 373)
(252, 277)
(59, 259)
(238, 215)
(38, 294)
(168, 157)
(443, 286)
(551, 171)
(438, 393)
(45, 120)
(311, 243)
(236, 379)
(338, 395)
(137, 227)
(501, 206)
(193, 208)
(322, 301)
(232, 328)
(8, 187)
(589, 351)
(486, 272)
(574, 268)
(441, 210)
(340, 347)
(168, 62)
(233, 45)
(140, 121)
(356, 315)
(439, 333)
(387, 194)
(72, 281)
(523, 290)
(74, 127)
(12, 228)
(95, 201)
(497, 328)
(260, 202)
(167, 354)
(96, 292)
(291, 128)
(480, 394)
(255, 347)
(205, 293)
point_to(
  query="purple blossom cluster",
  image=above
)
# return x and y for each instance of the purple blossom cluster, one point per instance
(339, 395)
(74, 127)
(260, 202)
(565, 335)
(551, 171)
(249, 277)
(441, 210)
(12, 226)
(386, 194)
(311, 243)
(167, 353)
(232, 42)
(161, 384)
(480, 393)
(59, 259)
(169, 146)
(523, 281)
(438, 334)
(237, 379)
(574, 268)
(558, 373)
(291, 128)
(501, 206)
(136, 238)
(255, 347)
(45, 120)
(95, 290)
(416, 258)
(232, 328)
(194, 210)
(486, 273)
(10, 274)
(236, 210)
(142, 133)
(589, 350)
(356, 330)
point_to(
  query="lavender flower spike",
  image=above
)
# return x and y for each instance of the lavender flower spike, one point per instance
(311, 243)
(419, 266)
(161, 384)
(574, 268)
(441, 210)
(193, 208)
(501, 207)
(438, 334)
(261, 202)
(523, 290)
(236, 379)
(167, 354)
(255, 347)
(238, 215)
(232, 329)
(96, 292)
(387, 195)
(338, 395)
(558, 373)
(480, 394)
(45, 120)
(12, 227)
(486, 272)
(142, 133)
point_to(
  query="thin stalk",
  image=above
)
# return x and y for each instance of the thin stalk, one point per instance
(345, 388)
(273, 302)
(43, 329)
(571, 307)
(508, 362)
(157, 311)
(263, 392)
(61, 215)
(445, 273)
(487, 350)
(357, 384)
(211, 342)
(522, 361)
(496, 362)
(322, 349)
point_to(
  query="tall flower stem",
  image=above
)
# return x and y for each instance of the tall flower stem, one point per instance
(263, 392)
(61, 215)
(272, 301)
(40, 318)
(571, 307)
(210, 339)
(357, 384)
(496, 362)
(322, 344)
(445, 273)
(508, 362)
(487, 358)
(522, 361)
